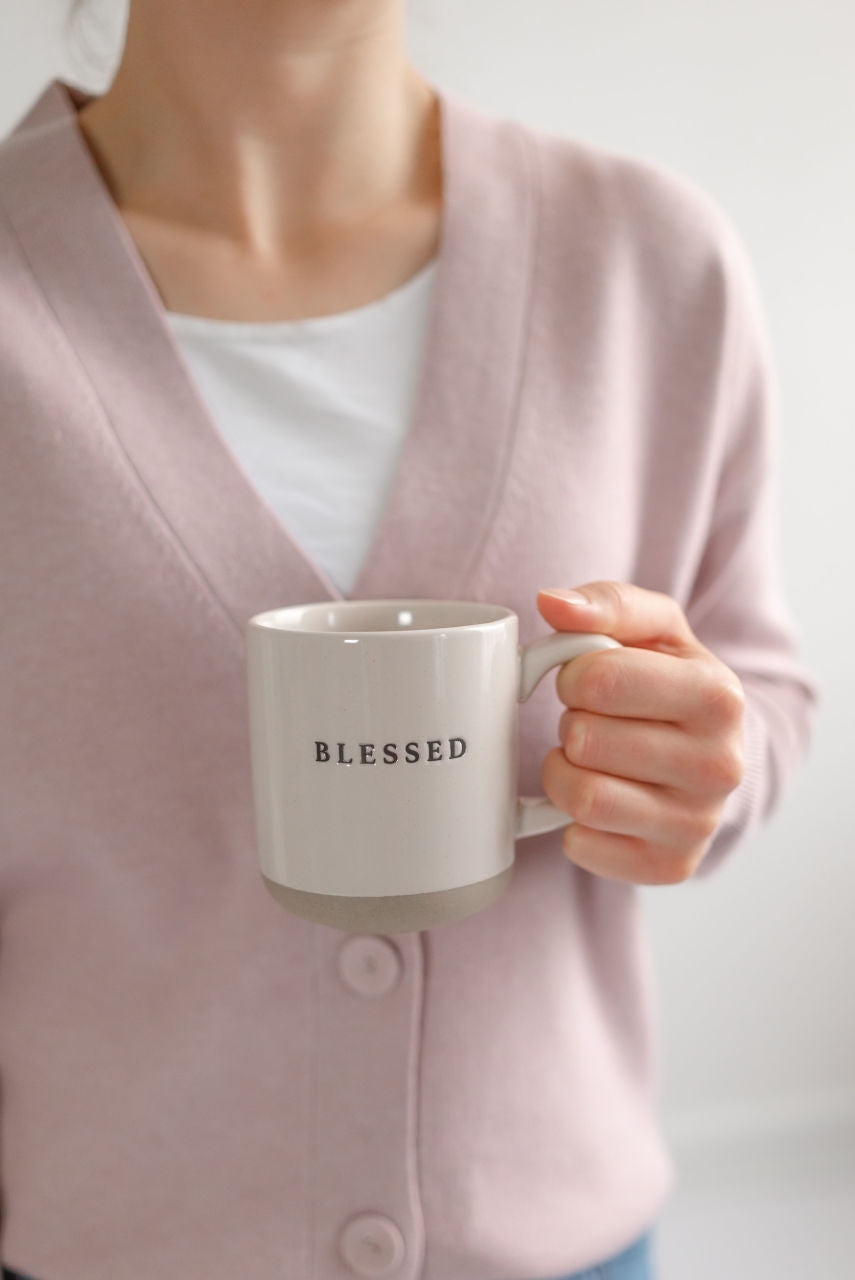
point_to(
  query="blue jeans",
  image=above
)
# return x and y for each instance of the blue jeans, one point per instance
(634, 1263)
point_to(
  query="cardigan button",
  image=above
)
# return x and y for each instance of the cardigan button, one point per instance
(372, 1245)
(369, 965)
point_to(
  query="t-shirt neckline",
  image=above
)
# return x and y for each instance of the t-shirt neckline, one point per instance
(267, 330)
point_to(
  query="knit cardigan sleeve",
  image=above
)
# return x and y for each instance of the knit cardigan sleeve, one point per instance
(737, 605)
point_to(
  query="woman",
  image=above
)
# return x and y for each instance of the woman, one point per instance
(283, 321)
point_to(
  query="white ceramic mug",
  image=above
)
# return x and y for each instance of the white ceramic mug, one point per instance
(384, 756)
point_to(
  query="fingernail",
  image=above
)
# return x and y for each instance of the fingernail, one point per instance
(562, 593)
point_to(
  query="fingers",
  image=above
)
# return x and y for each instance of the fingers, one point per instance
(697, 692)
(651, 751)
(624, 807)
(627, 858)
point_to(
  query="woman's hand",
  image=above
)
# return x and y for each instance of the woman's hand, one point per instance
(652, 738)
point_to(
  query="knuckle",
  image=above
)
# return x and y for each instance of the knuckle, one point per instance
(729, 765)
(576, 741)
(722, 698)
(703, 824)
(720, 769)
(618, 594)
(549, 770)
(734, 698)
(570, 839)
(591, 804)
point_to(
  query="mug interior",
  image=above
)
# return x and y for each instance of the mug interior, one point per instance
(387, 616)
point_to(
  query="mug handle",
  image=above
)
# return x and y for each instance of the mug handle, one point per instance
(536, 814)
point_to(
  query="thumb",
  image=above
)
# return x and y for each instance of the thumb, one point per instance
(568, 610)
(631, 614)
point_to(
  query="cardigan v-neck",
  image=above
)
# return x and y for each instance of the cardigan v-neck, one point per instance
(196, 1082)
(252, 559)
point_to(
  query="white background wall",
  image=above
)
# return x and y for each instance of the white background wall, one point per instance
(755, 100)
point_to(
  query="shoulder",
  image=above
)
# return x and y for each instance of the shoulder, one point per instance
(28, 330)
(21, 147)
(18, 173)
(663, 229)
(23, 170)
(637, 241)
(647, 201)
(34, 185)
(28, 150)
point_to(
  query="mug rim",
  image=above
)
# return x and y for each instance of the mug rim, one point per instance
(270, 619)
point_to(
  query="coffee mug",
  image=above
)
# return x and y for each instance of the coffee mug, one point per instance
(383, 738)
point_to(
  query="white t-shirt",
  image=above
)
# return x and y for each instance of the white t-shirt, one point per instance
(316, 411)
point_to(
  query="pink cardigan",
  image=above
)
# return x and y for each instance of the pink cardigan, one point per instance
(196, 1084)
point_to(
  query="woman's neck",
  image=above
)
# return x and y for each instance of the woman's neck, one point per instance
(270, 124)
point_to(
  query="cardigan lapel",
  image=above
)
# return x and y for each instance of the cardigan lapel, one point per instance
(449, 476)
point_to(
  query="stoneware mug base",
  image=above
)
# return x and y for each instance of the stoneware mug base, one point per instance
(395, 914)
